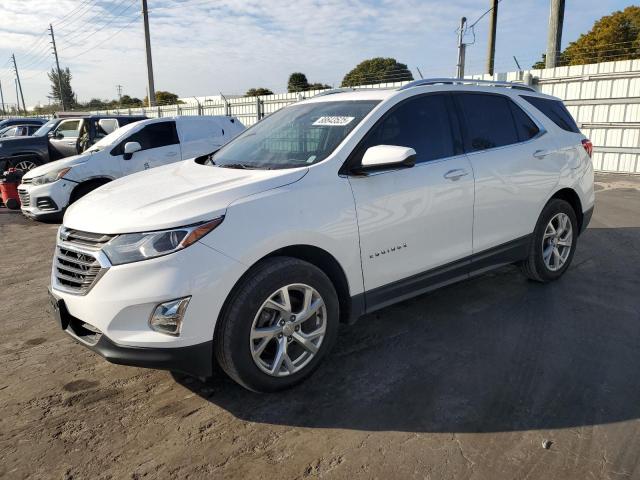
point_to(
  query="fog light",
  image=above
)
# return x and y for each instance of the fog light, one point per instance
(167, 316)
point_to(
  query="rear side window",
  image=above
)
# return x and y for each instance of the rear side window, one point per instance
(155, 135)
(524, 125)
(556, 111)
(488, 120)
(421, 123)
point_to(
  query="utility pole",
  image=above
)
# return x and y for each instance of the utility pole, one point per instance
(17, 97)
(19, 85)
(554, 36)
(493, 22)
(461, 49)
(2, 99)
(151, 96)
(119, 90)
(55, 53)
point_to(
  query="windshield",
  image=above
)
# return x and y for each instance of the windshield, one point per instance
(113, 137)
(46, 128)
(296, 136)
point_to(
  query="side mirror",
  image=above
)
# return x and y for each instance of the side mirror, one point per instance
(130, 148)
(383, 157)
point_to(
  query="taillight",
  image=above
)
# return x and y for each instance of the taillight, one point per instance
(588, 146)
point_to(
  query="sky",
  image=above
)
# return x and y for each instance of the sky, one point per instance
(204, 47)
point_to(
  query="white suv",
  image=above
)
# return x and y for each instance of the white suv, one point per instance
(47, 191)
(328, 209)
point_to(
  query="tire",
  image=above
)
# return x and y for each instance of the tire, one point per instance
(548, 257)
(26, 163)
(83, 189)
(248, 314)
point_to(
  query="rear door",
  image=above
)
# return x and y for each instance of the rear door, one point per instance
(413, 220)
(515, 164)
(160, 146)
(64, 140)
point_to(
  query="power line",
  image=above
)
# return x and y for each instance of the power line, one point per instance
(67, 17)
(113, 17)
(106, 39)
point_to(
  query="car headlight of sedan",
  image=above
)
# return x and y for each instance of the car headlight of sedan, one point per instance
(51, 177)
(134, 247)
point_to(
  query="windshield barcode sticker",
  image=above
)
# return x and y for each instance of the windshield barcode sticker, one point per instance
(333, 121)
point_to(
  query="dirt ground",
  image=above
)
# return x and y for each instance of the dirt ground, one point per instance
(466, 382)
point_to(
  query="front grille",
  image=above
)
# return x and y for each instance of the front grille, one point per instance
(76, 266)
(76, 271)
(27, 181)
(46, 204)
(25, 200)
(86, 239)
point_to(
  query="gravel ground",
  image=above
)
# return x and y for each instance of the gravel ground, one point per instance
(466, 382)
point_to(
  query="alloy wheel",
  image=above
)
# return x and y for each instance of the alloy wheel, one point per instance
(25, 165)
(288, 330)
(557, 242)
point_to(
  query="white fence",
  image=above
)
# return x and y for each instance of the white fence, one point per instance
(604, 98)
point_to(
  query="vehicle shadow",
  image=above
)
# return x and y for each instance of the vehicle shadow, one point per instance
(495, 353)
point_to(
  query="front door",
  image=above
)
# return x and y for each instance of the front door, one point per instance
(415, 223)
(64, 139)
(160, 146)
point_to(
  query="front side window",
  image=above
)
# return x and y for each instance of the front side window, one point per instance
(295, 136)
(488, 120)
(69, 128)
(154, 135)
(421, 123)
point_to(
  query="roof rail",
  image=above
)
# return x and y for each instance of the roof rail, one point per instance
(334, 90)
(466, 81)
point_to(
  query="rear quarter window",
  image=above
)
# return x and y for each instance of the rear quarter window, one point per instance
(555, 111)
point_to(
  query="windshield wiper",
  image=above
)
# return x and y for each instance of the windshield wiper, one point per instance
(240, 166)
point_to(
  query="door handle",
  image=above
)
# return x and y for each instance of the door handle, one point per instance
(541, 153)
(71, 143)
(455, 174)
(171, 154)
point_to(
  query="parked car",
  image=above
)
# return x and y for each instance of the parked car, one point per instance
(330, 208)
(19, 130)
(7, 122)
(46, 191)
(70, 136)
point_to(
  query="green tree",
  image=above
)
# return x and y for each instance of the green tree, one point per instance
(613, 37)
(255, 92)
(318, 86)
(127, 101)
(377, 70)
(61, 86)
(297, 82)
(164, 98)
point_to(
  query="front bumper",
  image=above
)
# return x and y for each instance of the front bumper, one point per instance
(45, 201)
(196, 360)
(121, 301)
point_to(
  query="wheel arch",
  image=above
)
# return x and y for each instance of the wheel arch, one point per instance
(570, 196)
(97, 181)
(350, 308)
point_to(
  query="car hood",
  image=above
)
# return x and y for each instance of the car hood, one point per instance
(16, 142)
(57, 165)
(175, 195)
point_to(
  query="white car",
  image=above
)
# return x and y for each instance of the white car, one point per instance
(46, 191)
(328, 209)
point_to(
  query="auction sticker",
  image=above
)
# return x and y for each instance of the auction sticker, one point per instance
(333, 121)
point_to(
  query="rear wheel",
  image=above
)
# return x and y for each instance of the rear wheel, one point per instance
(279, 324)
(553, 244)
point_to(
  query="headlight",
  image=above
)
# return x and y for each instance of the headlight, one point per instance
(51, 176)
(134, 247)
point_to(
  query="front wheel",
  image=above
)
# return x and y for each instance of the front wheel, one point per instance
(554, 242)
(278, 325)
(26, 163)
